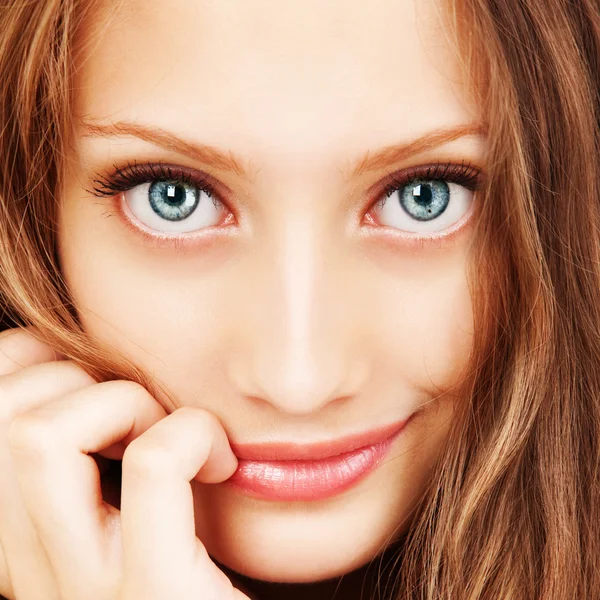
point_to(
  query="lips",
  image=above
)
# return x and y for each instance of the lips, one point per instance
(292, 472)
(292, 451)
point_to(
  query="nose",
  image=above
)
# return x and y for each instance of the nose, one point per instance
(302, 326)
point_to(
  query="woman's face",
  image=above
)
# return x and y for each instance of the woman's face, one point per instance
(290, 303)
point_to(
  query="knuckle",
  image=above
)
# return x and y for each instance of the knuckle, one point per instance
(58, 376)
(10, 332)
(29, 435)
(63, 377)
(7, 405)
(16, 389)
(123, 388)
(6, 361)
(143, 461)
(205, 418)
(64, 370)
(18, 345)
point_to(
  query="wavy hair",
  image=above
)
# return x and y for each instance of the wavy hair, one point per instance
(513, 506)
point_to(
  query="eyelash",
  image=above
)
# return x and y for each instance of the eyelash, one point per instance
(125, 178)
(122, 179)
(464, 174)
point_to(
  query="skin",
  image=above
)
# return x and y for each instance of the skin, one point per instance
(298, 320)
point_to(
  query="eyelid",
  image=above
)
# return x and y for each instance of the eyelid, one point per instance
(131, 174)
(418, 242)
(463, 173)
(124, 178)
(104, 186)
(181, 241)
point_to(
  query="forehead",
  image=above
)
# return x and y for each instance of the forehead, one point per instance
(286, 77)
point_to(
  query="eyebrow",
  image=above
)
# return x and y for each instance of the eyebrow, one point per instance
(199, 152)
(391, 155)
(229, 161)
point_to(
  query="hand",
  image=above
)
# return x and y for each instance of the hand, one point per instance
(59, 538)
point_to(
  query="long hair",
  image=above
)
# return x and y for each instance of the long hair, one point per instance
(513, 506)
(36, 69)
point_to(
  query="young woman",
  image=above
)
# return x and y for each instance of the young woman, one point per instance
(300, 299)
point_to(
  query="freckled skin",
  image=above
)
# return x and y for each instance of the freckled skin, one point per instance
(297, 324)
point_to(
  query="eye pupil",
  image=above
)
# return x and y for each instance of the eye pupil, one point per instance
(175, 194)
(422, 195)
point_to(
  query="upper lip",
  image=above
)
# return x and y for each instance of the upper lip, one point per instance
(293, 451)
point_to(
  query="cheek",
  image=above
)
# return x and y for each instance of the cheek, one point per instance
(447, 336)
(172, 313)
(115, 297)
(151, 315)
(143, 301)
(426, 326)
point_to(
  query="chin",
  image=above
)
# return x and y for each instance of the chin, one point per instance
(297, 542)
(286, 564)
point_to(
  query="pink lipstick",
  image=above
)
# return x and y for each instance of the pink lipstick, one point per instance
(293, 472)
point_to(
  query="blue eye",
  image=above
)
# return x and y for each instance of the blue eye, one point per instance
(164, 198)
(172, 206)
(424, 205)
(173, 200)
(428, 198)
(425, 200)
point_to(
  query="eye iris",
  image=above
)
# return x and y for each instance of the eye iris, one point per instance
(425, 200)
(173, 200)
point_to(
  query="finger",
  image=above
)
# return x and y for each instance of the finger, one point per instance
(60, 482)
(162, 555)
(27, 566)
(19, 348)
(24, 389)
(6, 588)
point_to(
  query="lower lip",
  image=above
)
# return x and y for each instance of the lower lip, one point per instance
(295, 480)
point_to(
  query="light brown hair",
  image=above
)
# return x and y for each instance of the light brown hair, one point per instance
(513, 509)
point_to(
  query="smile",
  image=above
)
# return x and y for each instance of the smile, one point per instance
(295, 472)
